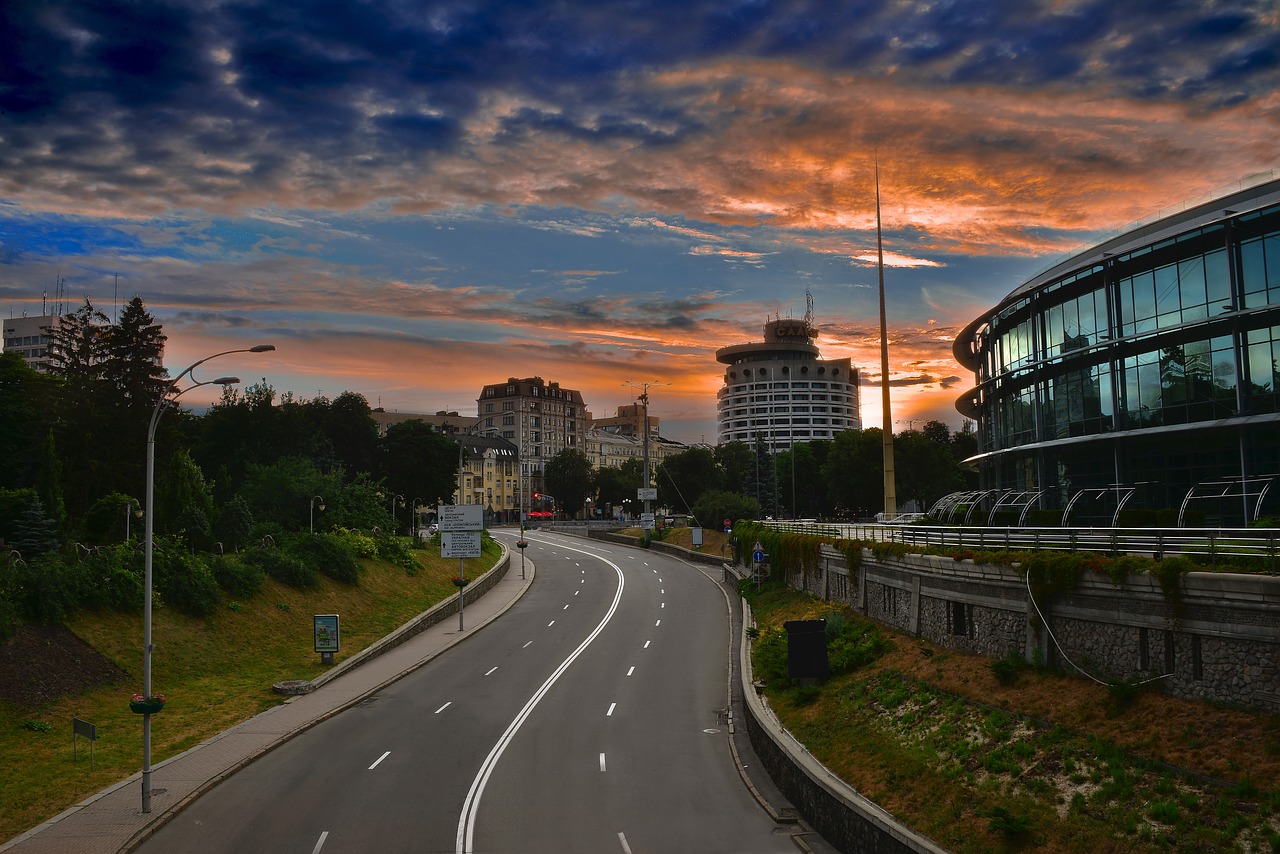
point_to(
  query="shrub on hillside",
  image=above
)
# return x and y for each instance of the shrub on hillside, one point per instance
(364, 545)
(116, 578)
(186, 582)
(326, 553)
(392, 548)
(239, 578)
(283, 567)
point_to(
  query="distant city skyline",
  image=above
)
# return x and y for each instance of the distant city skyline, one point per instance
(412, 202)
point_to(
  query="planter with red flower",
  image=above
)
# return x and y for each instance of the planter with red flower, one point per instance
(143, 705)
(461, 582)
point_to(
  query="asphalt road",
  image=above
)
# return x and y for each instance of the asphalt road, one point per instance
(589, 718)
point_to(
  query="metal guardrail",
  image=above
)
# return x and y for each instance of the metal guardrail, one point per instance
(1256, 543)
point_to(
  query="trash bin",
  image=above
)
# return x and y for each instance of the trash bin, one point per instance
(807, 649)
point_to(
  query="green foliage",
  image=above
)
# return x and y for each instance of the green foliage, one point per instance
(37, 726)
(568, 478)
(107, 519)
(116, 575)
(35, 533)
(47, 588)
(285, 568)
(239, 578)
(852, 643)
(13, 504)
(1169, 573)
(364, 545)
(235, 524)
(326, 553)
(1136, 517)
(397, 551)
(185, 582)
(714, 506)
(1009, 670)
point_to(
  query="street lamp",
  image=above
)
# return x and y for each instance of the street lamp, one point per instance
(413, 519)
(312, 517)
(394, 499)
(147, 647)
(137, 514)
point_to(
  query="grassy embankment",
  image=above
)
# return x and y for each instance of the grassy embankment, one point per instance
(985, 756)
(215, 672)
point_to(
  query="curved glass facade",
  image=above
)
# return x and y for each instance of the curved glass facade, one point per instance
(1141, 372)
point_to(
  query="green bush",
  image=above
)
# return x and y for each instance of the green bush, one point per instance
(117, 577)
(326, 553)
(285, 568)
(392, 548)
(237, 577)
(362, 544)
(852, 643)
(47, 588)
(186, 582)
(1009, 670)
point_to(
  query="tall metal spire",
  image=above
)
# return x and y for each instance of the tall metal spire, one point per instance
(890, 489)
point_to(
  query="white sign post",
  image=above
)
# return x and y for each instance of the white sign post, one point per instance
(460, 527)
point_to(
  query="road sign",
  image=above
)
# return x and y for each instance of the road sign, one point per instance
(647, 493)
(461, 517)
(646, 521)
(460, 544)
(757, 553)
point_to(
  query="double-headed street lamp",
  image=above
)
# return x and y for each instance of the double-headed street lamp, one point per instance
(168, 397)
(314, 500)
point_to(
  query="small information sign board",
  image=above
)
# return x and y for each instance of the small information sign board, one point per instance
(460, 544)
(647, 493)
(646, 521)
(327, 638)
(461, 517)
(82, 728)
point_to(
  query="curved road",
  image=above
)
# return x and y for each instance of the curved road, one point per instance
(589, 718)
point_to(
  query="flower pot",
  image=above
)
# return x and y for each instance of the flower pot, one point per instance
(146, 707)
(461, 582)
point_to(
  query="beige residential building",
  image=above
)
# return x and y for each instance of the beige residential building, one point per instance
(540, 418)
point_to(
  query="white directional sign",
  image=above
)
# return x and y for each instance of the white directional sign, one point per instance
(647, 493)
(459, 544)
(646, 521)
(461, 517)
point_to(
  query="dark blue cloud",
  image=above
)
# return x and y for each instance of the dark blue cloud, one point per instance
(88, 86)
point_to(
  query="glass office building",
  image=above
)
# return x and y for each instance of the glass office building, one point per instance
(1141, 372)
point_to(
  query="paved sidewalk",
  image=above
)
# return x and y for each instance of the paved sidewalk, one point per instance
(112, 820)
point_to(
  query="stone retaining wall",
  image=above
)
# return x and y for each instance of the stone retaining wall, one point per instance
(1223, 645)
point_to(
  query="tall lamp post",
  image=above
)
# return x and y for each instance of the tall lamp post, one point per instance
(413, 518)
(314, 499)
(168, 397)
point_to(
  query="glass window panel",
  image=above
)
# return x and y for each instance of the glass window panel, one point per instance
(1103, 375)
(1273, 260)
(1144, 302)
(1217, 281)
(1253, 273)
(1261, 367)
(1053, 325)
(1168, 291)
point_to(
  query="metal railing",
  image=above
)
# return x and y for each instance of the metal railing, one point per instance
(1260, 544)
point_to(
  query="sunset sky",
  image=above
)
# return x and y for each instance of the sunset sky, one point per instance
(413, 199)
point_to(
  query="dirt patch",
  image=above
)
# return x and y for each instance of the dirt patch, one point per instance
(43, 663)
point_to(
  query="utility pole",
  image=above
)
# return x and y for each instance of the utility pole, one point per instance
(644, 399)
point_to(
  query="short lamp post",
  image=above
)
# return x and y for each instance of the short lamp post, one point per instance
(132, 509)
(413, 518)
(395, 499)
(316, 501)
(168, 397)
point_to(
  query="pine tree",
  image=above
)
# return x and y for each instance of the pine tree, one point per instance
(133, 358)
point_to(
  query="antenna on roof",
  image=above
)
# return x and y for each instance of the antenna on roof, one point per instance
(808, 307)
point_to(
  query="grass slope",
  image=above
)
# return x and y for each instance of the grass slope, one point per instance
(215, 672)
